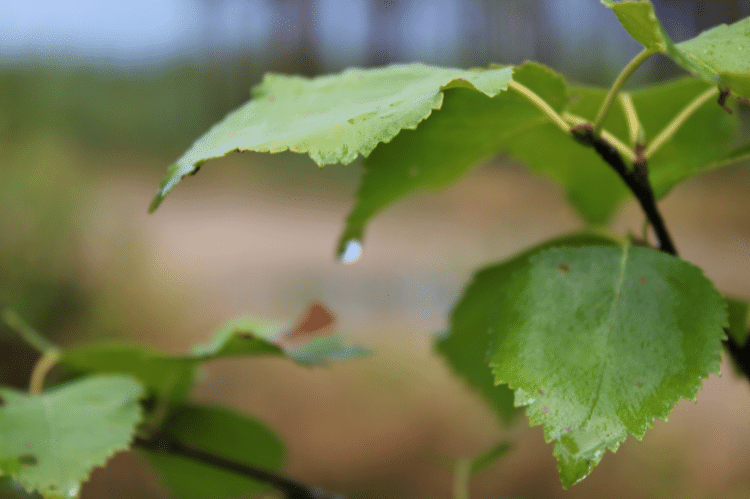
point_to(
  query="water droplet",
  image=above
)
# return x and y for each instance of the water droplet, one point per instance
(73, 491)
(352, 252)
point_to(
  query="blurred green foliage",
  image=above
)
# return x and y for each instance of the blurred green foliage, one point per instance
(110, 109)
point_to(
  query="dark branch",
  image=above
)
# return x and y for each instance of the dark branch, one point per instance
(292, 489)
(740, 353)
(636, 179)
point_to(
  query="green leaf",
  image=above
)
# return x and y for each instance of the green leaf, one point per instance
(332, 118)
(164, 376)
(721, 53)
(50, 442)
(310, 341)
(718, 55)
(223, 433)
(170, 377)
(600, 341)
(466, 345)
(739, 320)
(470, 128)
(639, 19)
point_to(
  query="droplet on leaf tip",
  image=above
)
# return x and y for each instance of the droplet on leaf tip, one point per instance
(352, 252)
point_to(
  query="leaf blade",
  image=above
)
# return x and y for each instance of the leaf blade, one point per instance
(647, 325)
(467, 342)
(50, 442)
(332, 118)
(718, 55)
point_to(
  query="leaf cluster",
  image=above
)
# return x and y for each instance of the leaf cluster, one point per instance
(595, 335)
(110, 395)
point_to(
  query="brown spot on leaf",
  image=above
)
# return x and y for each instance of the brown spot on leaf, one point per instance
(248, 335)
(316, 321)
(638, 383)
(28, 459)
(564, 267)
(2, 401)
(568, 428)
(545, 409)
(542, 392)
(642, 280)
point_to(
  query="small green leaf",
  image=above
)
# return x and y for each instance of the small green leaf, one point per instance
(639, 19)
(718, 55)
(466, 345)
(223, 433)
(739, 320)
(310, 341)
(600, 341)
(50, 442)
(333, 118)
(170, 377)
(722, 52)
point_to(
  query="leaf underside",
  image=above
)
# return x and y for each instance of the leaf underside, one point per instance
(50, 442)
(720, 55)
(471, 128)
(600, 341)
(332, 118)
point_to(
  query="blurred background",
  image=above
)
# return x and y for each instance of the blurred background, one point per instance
(98, 98)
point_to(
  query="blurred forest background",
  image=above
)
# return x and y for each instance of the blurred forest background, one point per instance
(97, 99)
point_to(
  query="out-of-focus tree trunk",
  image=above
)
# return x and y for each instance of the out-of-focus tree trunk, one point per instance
(294, 46)
(383, 41)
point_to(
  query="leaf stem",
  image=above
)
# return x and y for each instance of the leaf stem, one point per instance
(43, 365)
(541, 104)
(461, 475)
(26, 332)
(674, 125)
(614, 90)
(635, 129)
(293, 489)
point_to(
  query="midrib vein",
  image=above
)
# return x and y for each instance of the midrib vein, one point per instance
(612, 316)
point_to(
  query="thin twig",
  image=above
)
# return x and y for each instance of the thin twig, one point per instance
(636, 179)
(293, 489)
